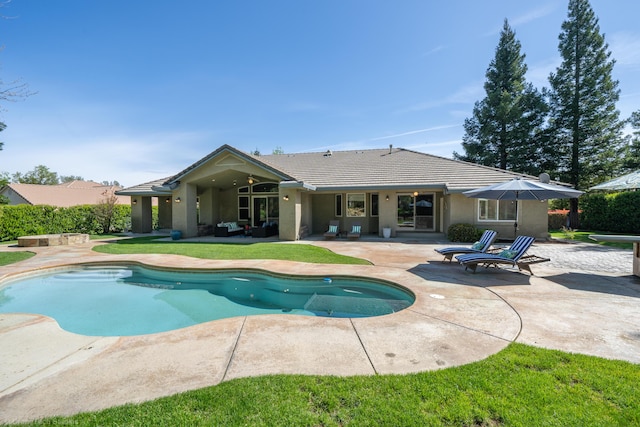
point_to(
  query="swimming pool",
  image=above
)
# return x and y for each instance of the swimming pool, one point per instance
(119, 300)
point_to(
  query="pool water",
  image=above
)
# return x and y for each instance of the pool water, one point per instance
(134, 300)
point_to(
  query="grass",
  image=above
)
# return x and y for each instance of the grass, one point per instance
(519, 386)
(11, 257)
(583, 236)
(282, 251)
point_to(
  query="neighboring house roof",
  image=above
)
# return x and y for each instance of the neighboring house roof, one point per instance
(388, 168)
(63, 195)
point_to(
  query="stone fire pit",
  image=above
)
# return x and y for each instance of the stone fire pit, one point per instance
(53, 240)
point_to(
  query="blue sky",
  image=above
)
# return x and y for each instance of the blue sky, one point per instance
(135, 91)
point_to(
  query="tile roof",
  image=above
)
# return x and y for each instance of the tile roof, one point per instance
(151, 188)
(386, 168)
(64, 195)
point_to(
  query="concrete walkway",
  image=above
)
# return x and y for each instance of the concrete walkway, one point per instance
(585, 300)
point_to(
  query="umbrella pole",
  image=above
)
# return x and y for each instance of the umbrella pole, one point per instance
(515, 223)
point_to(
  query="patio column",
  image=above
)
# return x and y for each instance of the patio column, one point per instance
(290, 205)
(164, 211)
(185, 210)
(141, 216)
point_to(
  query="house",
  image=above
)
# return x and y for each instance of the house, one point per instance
(71, 193)
(398, 189)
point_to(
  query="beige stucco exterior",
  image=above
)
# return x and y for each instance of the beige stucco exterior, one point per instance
(230, 187)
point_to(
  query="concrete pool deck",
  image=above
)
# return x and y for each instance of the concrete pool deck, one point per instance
(582, 301)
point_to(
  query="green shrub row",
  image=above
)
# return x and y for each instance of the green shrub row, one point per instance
(615, 212)
(28, 220)
(463, 233)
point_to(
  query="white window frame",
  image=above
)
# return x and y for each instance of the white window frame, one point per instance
(497, 219)
(364, 204)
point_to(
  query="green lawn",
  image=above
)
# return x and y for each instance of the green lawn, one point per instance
(11, 257)
(519, 386)
(285, 251)
(583, 236)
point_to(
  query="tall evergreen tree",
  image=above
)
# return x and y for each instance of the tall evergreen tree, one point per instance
(584, 122)
(631, 161)
(504, 131)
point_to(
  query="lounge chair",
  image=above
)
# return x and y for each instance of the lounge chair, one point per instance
(514, 256)
(479, 247)
(333, 231)
(354, 234)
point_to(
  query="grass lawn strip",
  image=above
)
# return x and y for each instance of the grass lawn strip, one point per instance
(229, 251)
(521, 385)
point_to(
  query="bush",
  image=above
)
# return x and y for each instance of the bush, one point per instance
(557, 221)
(615, 212)
(28, 220)
(463, 233)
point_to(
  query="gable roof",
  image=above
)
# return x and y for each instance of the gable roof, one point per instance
(256, 160)
(63, 195)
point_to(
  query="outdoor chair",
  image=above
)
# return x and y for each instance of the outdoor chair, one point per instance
(513, 256)
(479, 247)
(354, 234)
(333, 231)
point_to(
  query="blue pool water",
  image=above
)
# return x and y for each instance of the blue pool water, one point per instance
(134, 300)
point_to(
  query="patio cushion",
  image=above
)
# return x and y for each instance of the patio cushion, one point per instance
(477, 246)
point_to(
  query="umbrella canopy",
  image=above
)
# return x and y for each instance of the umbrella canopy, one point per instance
(626, 182)
(520, 189)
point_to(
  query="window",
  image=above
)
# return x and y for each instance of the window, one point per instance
(374, 204)
(356, 205)
(265, 187)
(338, 204)
(497, 210)
(243, 208)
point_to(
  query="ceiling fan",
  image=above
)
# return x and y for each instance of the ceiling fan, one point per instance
(251, 179)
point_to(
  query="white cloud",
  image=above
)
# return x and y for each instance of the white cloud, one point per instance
(468, 94)
(533, 15)
(625, 48)
(413, 132)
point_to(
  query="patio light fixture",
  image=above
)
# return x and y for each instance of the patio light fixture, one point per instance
(285, 197)
(167, 200)
(178, 200)
(387, 198)
(134, 202)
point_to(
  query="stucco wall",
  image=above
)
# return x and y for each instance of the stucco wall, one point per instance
(532, 217)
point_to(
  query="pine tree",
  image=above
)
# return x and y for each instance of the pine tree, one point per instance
(631, 160)
(584, 122)
(504, 131)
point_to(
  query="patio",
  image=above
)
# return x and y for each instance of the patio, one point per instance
(583, 301)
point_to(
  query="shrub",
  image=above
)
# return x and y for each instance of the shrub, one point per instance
(27, 220)
(615, 212)
(463, 233)
(557, 221)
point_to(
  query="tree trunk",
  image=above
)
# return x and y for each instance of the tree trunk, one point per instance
(574, 219)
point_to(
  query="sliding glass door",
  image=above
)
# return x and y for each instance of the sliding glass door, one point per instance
(415, 212)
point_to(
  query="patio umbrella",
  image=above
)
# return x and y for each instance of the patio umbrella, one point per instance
(520, 189)
(626, 182)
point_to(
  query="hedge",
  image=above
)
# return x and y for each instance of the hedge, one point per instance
(615, 212)
(28, 220)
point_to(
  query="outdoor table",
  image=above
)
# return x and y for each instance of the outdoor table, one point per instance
(619, 238)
